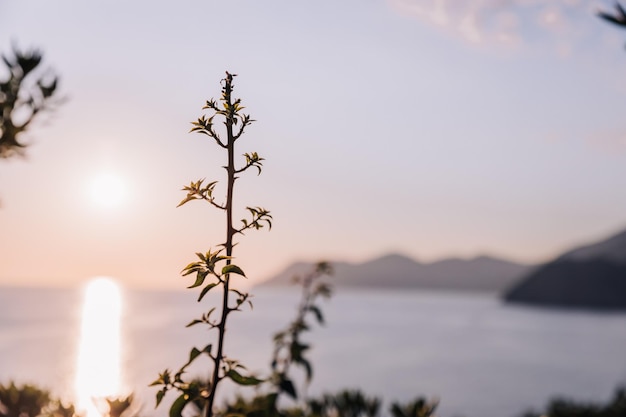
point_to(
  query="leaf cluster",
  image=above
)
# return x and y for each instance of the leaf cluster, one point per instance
(25, 93)
(347, 403)
(231, 112)
(119, 406)
(259, 217)
(191, 391)
(197, 391)
(252, 160)
(419, 407)
(22, 401)
(206, 266)
(196, 191)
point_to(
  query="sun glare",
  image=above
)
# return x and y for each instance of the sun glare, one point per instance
(99, 354)
(107, 190)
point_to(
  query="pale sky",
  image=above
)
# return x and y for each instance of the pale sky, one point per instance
(429, 128)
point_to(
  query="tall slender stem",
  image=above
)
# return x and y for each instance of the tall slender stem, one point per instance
(230, 231)
(205, 391)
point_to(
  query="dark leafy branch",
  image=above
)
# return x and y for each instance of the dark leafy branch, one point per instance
(258, 218)
(618, 17)
(26, 93)
(252, 160)
(195, 191)
(205, 126)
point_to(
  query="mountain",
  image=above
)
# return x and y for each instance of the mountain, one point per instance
(612, 249)
(400, 272)
(592, 276)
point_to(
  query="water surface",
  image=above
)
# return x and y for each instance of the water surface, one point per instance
(480, 357)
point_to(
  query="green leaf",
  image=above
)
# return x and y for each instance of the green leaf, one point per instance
(242, 380)
(239, 293)
(287, 386)
(192, 270)
(307, 368)
(176, 409)
(191, 265)
(193, 355)
(187, 199)
(206, 290)
(194, 322)
(232, 269)
(296, 350)
(159, 397)
(158, 381)
(324, 290)
(163, 379)
(318, 314)
(199, 279)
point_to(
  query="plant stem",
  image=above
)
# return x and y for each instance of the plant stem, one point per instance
(230, 231)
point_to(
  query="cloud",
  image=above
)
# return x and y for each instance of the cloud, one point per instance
(508, 22)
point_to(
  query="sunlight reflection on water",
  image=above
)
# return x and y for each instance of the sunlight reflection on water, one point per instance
(98, 372)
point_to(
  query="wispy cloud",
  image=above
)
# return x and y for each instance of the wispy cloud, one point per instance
(507, 22)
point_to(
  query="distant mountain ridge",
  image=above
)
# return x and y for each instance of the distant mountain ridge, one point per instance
(611, 249)
(591, 276)
(396, 271)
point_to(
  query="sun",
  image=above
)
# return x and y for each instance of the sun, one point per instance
(107, 190)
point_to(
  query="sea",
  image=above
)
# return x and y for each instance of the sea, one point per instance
(474, 354)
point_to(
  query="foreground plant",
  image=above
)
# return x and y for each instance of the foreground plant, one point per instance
(288, 346)
(23, 401)
(26, 92)
(33, 401)
(618, 17)
(214, 269)
(344, 403)
(564, 407)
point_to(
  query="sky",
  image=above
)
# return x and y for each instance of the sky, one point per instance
(429, 128)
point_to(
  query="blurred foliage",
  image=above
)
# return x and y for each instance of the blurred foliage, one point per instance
(419, 407)
(345, 403)
(26, 92)
(22, 401)
(32, 401)
(561, 407)
(214, 269)
(289, 349)
(118, 407)
(617, 17)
